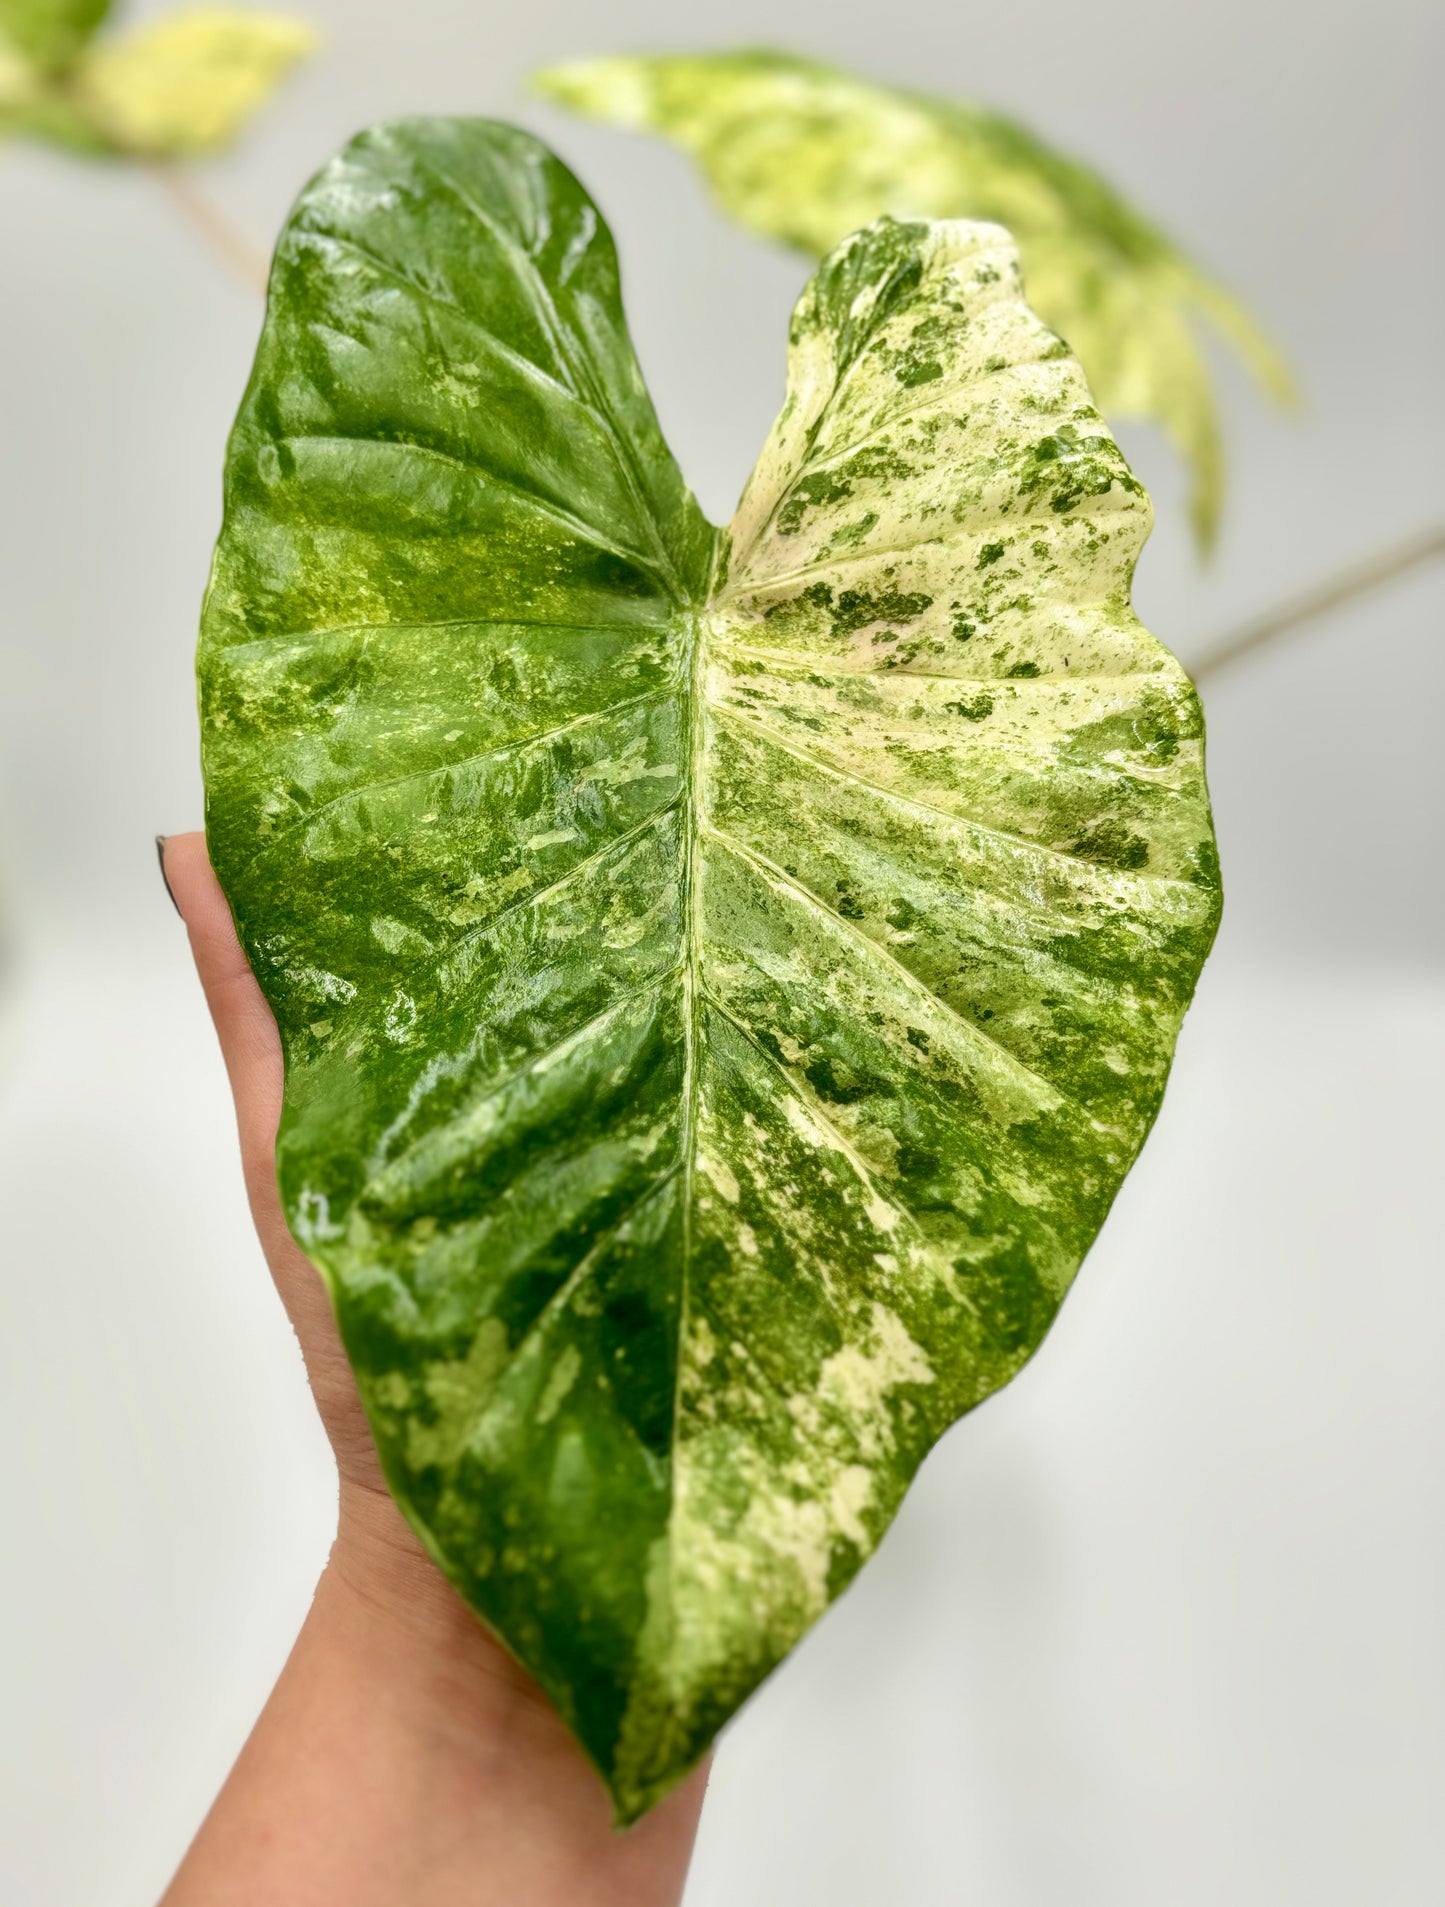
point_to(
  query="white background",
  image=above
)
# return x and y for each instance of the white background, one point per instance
(1164, 1625)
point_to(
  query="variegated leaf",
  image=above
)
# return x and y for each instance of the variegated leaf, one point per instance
(48, 34)
(806, 153)
(191, 81)
(180, 86)
(723, 980)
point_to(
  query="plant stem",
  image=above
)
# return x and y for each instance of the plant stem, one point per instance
(221, 235)
(1356, 581)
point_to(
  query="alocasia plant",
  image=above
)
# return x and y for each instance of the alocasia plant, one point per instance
(180, 85)
(806, 154)
(723, 977)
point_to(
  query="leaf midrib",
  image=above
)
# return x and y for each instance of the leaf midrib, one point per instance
(695, 715)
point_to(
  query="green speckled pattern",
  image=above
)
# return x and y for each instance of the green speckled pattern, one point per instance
(807, 154)
(723, 979)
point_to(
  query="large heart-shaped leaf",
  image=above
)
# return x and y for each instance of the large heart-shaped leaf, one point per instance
(806, 153)
(723, 981)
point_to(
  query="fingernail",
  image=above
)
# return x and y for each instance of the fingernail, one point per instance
(161, 840)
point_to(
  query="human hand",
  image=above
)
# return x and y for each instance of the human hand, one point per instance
(404, 1757)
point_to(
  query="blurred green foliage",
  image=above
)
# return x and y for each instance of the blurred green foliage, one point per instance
(185, 85)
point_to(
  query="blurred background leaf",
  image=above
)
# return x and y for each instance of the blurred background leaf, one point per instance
(49, 33)
(807, 153)
(185, 85)
(190, 83)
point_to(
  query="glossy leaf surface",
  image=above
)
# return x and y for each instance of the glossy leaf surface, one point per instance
(806, 154)
(723, 980)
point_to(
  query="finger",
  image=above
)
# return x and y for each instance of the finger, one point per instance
(251, 1048)
(250, 1044)
(245, 1025)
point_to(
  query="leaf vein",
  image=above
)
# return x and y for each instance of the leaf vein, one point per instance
(539, 293)
(483, 928)
(532, 499)
(819, 566)
(789, 747)
(498, 1086)
(363, 789)
(852, 931)
(807, 1097)
(577, 1277)
(367, 630)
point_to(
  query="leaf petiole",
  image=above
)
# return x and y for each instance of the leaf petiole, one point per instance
(223, 237)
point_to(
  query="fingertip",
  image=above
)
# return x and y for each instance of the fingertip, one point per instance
(244, 1022)
(192, 885)
(202, 905)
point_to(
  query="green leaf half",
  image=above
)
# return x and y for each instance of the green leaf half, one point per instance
(806, 154)
(723, 980)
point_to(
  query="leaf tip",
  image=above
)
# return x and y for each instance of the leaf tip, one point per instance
(615, 90)
(1205, 506)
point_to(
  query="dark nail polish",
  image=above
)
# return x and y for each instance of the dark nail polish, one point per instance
(161, 840)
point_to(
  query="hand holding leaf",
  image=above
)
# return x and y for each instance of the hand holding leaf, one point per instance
(403, 1753)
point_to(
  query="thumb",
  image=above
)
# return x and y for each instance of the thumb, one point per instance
(245, 1026)
(251, 1048)
(246, 1029)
